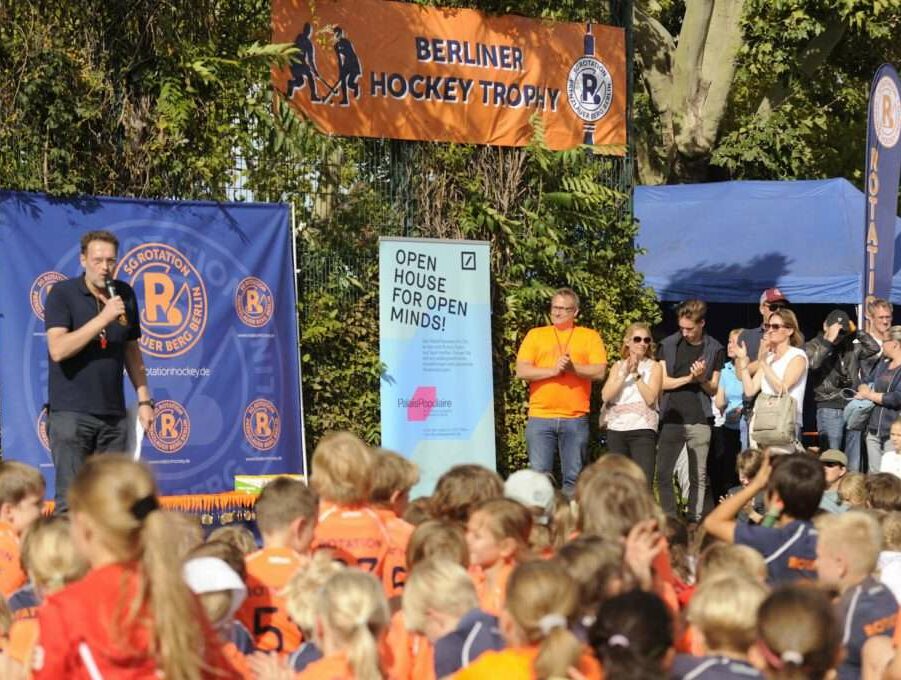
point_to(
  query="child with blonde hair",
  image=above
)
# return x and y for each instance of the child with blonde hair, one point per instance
(301, 606)
(497, 536)
(462, 488)
(541, 602)
(286, 517)
(133, 611)
(21, 501)
(392, 479)
(852, 490)
(723, 613)
(440, 602)
(798, 636)
(215, 572)
(51, 561)
(883, 491)
(728, 559)
(343, 468)
(847, 553)
(239, 536)
(351, 615)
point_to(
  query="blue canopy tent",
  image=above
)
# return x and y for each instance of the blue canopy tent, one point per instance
(725, 242)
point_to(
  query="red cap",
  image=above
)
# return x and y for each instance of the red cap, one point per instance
(772, 295)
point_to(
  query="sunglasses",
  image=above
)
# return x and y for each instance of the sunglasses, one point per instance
(774, 306)
(638, 339)
(832, 464)
(773, 326)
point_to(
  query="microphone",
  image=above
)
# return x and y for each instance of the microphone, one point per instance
(111, 292)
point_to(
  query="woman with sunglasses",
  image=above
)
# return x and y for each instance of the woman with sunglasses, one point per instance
(630, 395)
(782, 363)
(886, 394)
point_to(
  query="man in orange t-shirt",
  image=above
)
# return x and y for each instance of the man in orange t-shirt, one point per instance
(560, 362)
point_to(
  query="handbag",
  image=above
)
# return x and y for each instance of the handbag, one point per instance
(857, 412)
(773, 422)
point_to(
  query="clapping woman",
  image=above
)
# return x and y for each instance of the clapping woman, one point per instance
(631, 395)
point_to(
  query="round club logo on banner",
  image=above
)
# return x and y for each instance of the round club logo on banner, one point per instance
(887, 112)
(39, 290)
(262, 424)
(172, 298)
(171, 427)
(41, 427)
(589, 89)
(254, 302)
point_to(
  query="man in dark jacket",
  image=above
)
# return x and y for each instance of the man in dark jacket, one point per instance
(834, 362)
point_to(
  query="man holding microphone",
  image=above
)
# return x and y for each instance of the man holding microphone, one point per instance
(92, 335)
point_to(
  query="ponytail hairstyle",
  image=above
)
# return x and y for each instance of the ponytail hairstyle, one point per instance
(119, 497)
(632, 636)
(542, 600)
(797, 634)
(352, 608)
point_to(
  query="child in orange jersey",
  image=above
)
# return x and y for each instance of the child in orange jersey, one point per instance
(497, 535)
(633, 637)
(286, 517)
(21, 501)
(542, 600)
(392, 478)
(132, 615)
(342, 475)
(351, 615)
(462, 488)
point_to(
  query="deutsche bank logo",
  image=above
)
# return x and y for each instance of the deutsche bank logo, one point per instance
(589, 89)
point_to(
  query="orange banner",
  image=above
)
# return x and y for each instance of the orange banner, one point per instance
(372, 68)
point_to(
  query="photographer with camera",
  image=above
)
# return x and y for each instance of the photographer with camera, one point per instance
(835, 356)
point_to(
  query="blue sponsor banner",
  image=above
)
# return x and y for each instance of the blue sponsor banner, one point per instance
(216, 291)
(882, 176)
(437, 395)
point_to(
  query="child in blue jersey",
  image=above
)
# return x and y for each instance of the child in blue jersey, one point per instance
(798, 636)
(847, 552)
(723, 612)
(440, 601)
(794, 486)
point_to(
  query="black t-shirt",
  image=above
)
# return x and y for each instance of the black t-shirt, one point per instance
(90, 381)
(684, 403)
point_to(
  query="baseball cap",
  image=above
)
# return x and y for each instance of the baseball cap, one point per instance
(840, 317)
(532, 489)
(834, 456)
(771, 295)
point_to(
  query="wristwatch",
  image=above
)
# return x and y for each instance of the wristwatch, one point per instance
(148, 402)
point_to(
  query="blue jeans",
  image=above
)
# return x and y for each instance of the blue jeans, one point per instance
(833, 435)
(546, 436)
(74, 437)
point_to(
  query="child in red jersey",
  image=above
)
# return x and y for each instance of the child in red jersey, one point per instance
(132, 615)
(541, 603)
(286, 517)
(497, 535)
(342, 475)
(21, 501)
(392, 478)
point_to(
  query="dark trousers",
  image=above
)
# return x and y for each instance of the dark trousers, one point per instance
(669, 445)
(724, 447)
(639, 445)
(75, 436)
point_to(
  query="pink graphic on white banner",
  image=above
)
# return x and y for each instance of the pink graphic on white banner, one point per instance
(421, 404)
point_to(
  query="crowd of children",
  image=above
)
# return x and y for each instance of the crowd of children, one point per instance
(795, 574)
